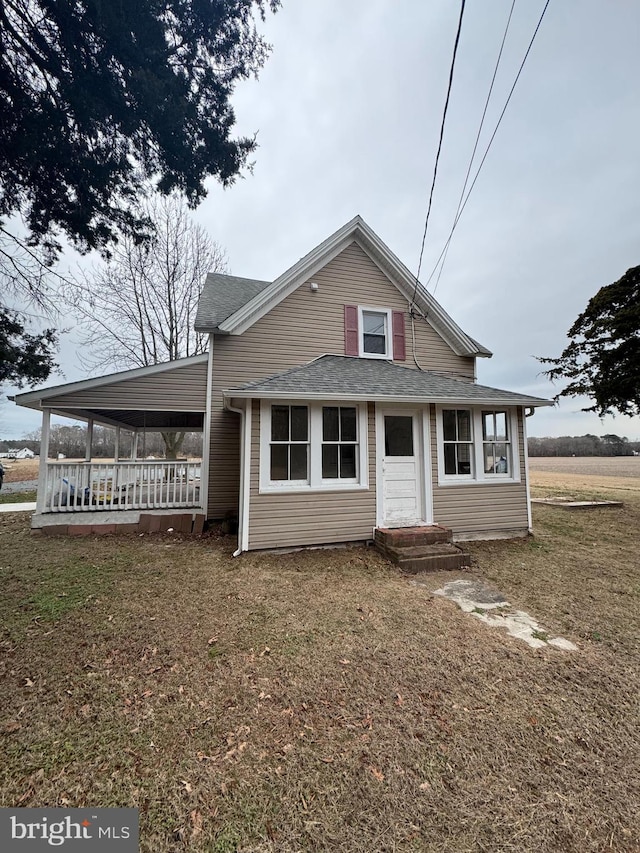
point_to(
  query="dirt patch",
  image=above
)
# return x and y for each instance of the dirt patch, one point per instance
(319, 701)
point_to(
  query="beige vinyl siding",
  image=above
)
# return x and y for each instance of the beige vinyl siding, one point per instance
(315, 518)
(304, 326)
(480, 507)
(179, 389)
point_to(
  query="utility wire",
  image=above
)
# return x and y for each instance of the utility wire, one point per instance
(435, 168)
(475, 147)
(504, 109)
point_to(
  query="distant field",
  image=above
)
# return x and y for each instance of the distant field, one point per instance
(599, 466)
(585, 472)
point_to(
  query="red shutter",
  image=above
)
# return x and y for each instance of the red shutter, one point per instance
(399, 349)
(351, 330)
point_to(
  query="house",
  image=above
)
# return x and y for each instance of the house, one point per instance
(334, 401)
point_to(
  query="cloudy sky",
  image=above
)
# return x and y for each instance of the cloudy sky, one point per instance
(347, 112)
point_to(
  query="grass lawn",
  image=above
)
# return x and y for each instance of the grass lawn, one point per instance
(17, 497)
(322, 701)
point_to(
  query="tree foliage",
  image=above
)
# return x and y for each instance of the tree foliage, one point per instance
(24, 358)
(96, 97)
(602, 359)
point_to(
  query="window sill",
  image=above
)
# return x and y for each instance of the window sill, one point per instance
(305, 490)
(489, 481)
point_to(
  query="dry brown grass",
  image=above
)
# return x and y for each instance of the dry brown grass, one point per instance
(20, 469)
(320, 700)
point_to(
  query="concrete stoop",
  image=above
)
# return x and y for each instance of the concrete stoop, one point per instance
(421, 549)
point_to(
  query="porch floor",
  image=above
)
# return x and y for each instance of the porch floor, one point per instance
(124, 521)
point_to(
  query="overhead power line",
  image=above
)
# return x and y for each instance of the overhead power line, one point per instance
(493, 135)
(475, 146)
(435, 168)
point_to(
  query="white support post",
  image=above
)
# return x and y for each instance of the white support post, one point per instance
(116, 452)
(44, 455)
(87, 453)
(134, 446)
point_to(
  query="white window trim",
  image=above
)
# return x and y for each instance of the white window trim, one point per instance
(477, 476)
(315, 482)
(388, 355)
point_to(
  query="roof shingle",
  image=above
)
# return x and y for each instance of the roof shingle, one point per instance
(342, 376)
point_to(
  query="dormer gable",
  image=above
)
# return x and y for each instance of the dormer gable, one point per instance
(362, 322)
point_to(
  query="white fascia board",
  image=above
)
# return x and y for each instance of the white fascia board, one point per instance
(286, 283)
(121, 376)
(358, 230)
(453, 332)
(380, 398)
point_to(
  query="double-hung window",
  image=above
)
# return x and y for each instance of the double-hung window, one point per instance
(313, 446)
(496, 446)
(375, 333)
(289, 455)
(476, 445)
(339, 443)
(458, 442)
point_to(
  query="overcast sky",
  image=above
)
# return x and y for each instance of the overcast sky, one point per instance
(347, 112)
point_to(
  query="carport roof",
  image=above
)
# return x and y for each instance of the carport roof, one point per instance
(166, 397)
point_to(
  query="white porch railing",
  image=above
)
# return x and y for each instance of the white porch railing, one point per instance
(106, 486)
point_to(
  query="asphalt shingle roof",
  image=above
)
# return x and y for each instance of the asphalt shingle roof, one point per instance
(223, 295)
(332, 375)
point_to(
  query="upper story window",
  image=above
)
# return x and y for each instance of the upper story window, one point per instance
(374, 332)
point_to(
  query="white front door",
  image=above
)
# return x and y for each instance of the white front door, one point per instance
(401, 469)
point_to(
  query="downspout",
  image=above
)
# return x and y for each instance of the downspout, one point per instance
(527, 414)
(206, 435)
(245, 472)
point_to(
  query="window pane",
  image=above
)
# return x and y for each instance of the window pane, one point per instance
(299, 424)
(330, 461)
(348, 424)
(449, 424)
(375, 344)
(398, 435)
(464, 425)
(501, 426)
(464, 458)
(450, 459)
(279, 459)
(373, 323)
(488, 431)
(502, 458)
(489, 459)
(298, 461)
(330, 424)
(347, 461)
(279, 423)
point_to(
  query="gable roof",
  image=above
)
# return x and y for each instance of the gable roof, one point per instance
(222, 296)
(343, 377)
(266, 297)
